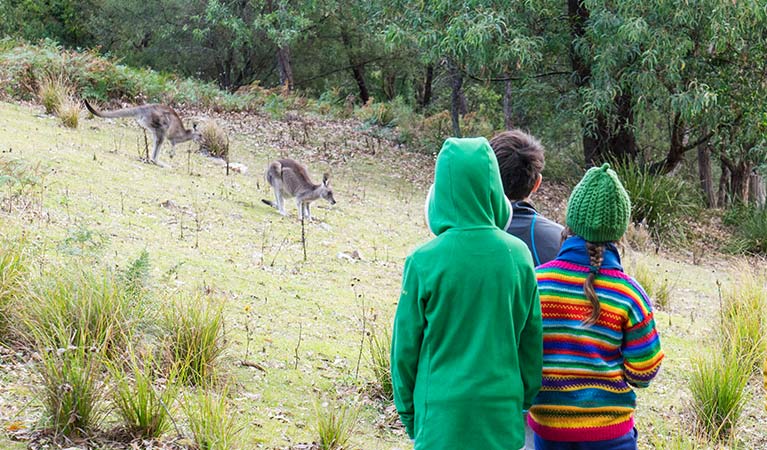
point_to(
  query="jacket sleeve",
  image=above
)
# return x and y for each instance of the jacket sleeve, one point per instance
(409, 322)
(642, 354)
(531, 351)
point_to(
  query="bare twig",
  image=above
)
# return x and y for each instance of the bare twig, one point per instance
(300, 333)
(364, 326)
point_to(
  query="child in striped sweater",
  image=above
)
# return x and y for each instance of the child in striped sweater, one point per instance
(599, 336)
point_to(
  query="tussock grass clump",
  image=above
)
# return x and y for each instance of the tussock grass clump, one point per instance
(84, 309)
(744, 317)
(215, 141)
(52, 92)
(72, 388)
(57, 96)
(14, 268)
(213, 425)
(717, 385)
(195, 339)
(380, 349)
(656, 284)
(335, 424)
(663, 202)
(69, 112)
(142, 398)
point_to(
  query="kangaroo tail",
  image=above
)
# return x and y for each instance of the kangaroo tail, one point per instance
(127, 112)
(267, 202)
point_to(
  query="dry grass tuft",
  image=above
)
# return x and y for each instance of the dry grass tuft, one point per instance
(214, 141)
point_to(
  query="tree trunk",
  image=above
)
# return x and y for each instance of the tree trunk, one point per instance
(456, 82)
(427, 85)
(758, 191)
(358, 69)
(389, 80)
(508, 122)
(285, 67)
(739, 178)
(724, 182)
(706, 175)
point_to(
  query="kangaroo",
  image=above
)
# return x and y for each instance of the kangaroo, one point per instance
(160, 120)
(290, 179)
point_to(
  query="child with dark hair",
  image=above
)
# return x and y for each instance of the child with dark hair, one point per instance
(466, 346)
(599, 336)
(521, 160)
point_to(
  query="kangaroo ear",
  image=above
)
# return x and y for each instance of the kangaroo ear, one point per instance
(326, 179)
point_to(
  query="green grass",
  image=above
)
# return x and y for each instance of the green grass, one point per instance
(142, 397)
(211, 421)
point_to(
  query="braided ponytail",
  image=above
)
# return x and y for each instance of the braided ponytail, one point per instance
(596, 256)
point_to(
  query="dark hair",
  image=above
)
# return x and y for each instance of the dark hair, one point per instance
(596, 257)
(520, 158)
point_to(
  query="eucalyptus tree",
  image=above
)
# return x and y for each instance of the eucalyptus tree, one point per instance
(474, 38)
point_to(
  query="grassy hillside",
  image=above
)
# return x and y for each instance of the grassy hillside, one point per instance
(95, 203)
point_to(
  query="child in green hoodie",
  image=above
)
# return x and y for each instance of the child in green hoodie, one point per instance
(467, 349)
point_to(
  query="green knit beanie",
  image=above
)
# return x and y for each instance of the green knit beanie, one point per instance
(599, 208)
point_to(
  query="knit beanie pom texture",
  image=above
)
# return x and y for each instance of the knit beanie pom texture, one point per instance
(599, 208)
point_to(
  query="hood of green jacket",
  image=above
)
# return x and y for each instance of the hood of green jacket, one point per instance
(467, 190)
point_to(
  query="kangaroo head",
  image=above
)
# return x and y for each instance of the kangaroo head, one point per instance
(196, 135)
(325, 191)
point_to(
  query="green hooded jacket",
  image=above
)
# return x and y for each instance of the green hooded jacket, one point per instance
(467, 345)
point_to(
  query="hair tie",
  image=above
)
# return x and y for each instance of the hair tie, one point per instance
(594, 270)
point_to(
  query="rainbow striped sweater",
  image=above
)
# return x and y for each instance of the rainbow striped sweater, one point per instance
(588, 371)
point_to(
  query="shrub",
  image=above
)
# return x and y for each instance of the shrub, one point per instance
(718, 384)
(144, 411)
(213, 426)
(335, 425)
(215, 141)
(72, 389)
(744, 317)
(380, 349)
(195, 340)
(663, 202)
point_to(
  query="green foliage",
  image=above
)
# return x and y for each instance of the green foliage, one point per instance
(136, 276)
(72, 388)
(717, 384)
(663, 202)
(750, 225)
(19, 183)
(335, 424)
(194, 339)
(213, 425)
(142, 397)
(82, 241)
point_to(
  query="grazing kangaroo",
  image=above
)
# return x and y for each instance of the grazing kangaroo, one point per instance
(290, 179)
(160, 120)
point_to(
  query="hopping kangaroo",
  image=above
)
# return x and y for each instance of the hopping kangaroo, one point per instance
(290, 179)
(160, 120)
